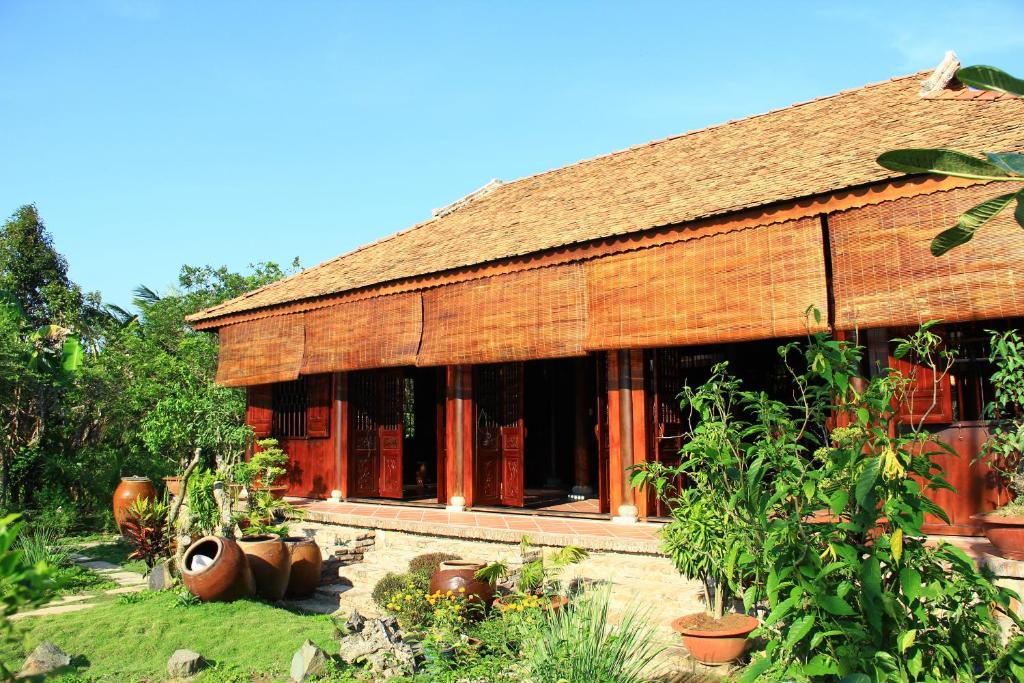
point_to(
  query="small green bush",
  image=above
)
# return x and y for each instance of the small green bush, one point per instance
(387, 587)
(428, 563)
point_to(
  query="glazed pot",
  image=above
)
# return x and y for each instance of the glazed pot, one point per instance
(1005, 532)
(226, 575)
(715, 644)
(270, 562)
(455, 574)
(173, 485)
(306, 563)
(127, 492)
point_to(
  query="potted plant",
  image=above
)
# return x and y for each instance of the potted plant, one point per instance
(262, 471)
(538, 576)
(1004, 527)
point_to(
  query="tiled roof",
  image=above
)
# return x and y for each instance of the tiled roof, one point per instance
(806, 149)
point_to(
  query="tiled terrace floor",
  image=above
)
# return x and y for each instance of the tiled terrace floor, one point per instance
(490, 526)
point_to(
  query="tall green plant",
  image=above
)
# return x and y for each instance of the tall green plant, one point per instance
(1002, 166)
(1003, 449)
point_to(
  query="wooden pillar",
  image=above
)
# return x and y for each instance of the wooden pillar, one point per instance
(640, 431)
(341, 423)
(627, 433)
(582, 487)
(459, 436)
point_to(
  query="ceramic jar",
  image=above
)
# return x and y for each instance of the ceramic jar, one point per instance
(270, 562)
(455, 574)
(307, 562)
(215, 569)
(127, 492)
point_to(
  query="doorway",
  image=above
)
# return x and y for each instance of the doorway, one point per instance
(396, 434)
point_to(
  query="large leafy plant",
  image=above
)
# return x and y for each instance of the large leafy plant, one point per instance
(819, 503)
(145, 529)
(996, 166)
(1002, 451)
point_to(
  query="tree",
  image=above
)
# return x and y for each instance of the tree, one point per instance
(997, 166)
(34, 274)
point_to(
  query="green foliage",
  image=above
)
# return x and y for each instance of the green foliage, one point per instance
(202, 505)
(580, 645)
(428, 563)
(23, 584)
(850, 587)
(1006, 166)
(388, 586)
(1002, 450)
(540, 575)
(405, 596)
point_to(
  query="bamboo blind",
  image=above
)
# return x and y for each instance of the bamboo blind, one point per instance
(371, 333)
(884, 273)
(731, 286)
(538, 313)
(261, 351)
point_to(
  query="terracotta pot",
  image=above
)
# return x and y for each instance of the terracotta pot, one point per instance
(455, 574)
(717, 645)
(270, 562)
(127, 492)
(173, 485)
(1006, 533)
(307, 562)
(226, 578)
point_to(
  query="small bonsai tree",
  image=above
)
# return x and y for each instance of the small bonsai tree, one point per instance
(264, 468)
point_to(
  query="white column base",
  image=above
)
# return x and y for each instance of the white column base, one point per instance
(627, 515)
(336, 496)
(581, 492)
(456, 504)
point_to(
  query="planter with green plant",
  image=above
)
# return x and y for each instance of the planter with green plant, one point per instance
(539, 575)
(1004, 527)
(259, 476)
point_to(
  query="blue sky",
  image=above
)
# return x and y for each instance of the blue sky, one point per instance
(152, 134)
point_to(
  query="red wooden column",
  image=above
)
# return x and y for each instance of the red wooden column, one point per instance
(341, 423)
(459, 436)
(627, 431)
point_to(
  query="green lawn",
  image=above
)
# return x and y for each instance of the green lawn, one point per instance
(130, 639)
(112, 550)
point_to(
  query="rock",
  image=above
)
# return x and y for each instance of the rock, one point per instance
(185, 663)
(379, 647)
(46, 658)
(160, 577)
(309, 662)
(355, 622)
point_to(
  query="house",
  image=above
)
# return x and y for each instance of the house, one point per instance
(523, 347)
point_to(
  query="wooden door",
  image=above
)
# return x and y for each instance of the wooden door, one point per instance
(667, 375)
(498, 463)
(391, 432)
(364, 440)
(601, 432)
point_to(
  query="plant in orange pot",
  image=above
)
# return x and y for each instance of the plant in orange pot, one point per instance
(1004, 527)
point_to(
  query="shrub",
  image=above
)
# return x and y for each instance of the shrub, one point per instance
(145, 529)
(428, 563)
(43, 545)
(409, 603)
(579, 645)
(388, 586)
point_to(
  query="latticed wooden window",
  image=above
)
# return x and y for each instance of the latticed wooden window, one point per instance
(291, 400)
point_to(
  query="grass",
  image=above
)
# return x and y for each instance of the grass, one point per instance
(115, 552)
(131, 639)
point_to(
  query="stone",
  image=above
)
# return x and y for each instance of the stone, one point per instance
(309, 662)
(355, 622)
(379, 647)
(46, 658)
(160, 577)
(185, 663)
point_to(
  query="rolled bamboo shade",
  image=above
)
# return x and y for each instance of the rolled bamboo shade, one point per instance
(371, 333)
(753, 283)
(261, 351)
(885, 275)
(538, 313)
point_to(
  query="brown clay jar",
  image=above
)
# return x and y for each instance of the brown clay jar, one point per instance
(456, 574)
(127, 492)
(270, 562)
(227, 577)
(307, 562)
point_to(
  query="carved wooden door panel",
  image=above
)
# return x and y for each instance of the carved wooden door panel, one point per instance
(512, 435)
(487, 387)
(364, 441)
(391, 432)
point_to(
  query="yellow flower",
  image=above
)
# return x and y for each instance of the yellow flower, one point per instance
(892, 468)
(462, 589)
